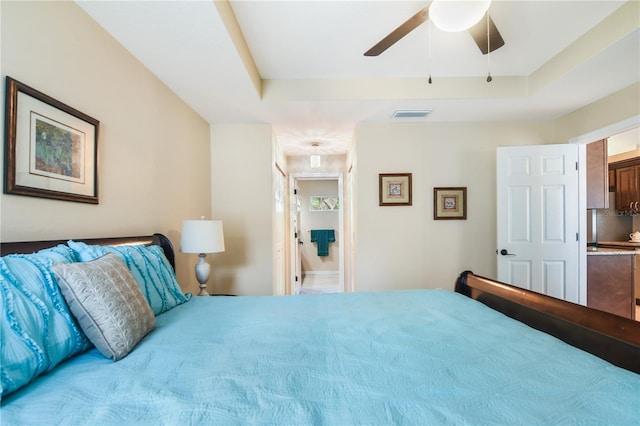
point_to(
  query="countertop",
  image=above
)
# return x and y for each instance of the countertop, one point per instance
(614, 248)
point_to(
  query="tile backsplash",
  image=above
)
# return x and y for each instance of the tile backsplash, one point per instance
(613, 225)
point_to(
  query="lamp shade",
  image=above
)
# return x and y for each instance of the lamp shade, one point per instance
(202, 236)
(457, 15)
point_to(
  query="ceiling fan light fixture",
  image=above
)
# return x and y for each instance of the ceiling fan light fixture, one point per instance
(314, 159)
(457, 15)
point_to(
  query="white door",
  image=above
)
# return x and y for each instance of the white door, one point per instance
(296, 272)
(538, 215)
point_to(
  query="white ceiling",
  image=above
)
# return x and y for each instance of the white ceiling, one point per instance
(299, 64)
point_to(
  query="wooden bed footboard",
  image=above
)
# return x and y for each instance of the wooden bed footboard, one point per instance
(33, 246)
(610, 337)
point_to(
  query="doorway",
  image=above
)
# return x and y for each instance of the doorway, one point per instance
(610, 283)
(316, 207)
(582, 141)
(538, 239)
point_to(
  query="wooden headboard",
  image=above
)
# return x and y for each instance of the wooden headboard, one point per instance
(610, 337)
(32, 246)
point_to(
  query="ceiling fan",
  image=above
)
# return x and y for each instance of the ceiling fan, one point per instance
(484, 32)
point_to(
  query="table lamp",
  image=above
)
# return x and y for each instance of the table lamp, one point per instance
(202, 237)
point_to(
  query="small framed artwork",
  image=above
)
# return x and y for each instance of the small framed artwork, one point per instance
(450, 203)
(51, 149)
(395, 189)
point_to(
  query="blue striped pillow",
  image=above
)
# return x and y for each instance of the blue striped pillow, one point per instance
(150, 268)
(37, 329)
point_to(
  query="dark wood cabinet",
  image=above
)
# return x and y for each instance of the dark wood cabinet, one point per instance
(612, 180)
(611, 281)
(628, 188)
(626, 179)
(597, 175)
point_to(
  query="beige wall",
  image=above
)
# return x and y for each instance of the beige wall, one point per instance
(403, 247)
(241, 176)
(612, 109)
(153, 149)
(400, 247)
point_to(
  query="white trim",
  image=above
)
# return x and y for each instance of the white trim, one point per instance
(582, 222)
(608, 131)
(304, 274)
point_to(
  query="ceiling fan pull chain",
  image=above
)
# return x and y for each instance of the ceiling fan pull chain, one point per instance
(489, 78)
(429, 55)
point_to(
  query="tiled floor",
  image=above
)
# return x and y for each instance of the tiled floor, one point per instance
(320, 283)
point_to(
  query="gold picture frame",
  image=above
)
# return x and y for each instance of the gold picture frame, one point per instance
(51, 149)
(394, 189)
(450, 203)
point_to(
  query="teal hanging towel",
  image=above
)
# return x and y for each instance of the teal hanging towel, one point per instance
(322, 238)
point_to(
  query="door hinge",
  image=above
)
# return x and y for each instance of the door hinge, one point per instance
(577, 236)
(576, 165)
(295, 235)
(296, 278)
(295, 192)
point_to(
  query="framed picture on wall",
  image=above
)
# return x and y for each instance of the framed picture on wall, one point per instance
(450, 203)
(51, 149)
(394, 189)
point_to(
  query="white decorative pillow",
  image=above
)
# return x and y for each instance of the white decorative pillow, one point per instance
(107, 302)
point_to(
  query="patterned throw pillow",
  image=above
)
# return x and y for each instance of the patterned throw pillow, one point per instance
(150, 268)
(106, 300)
(36, 327)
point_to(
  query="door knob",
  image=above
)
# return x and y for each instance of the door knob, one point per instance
(505, 252)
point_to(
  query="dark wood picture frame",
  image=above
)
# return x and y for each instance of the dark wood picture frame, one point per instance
(51, 149)
(450, 203)
(394, 189)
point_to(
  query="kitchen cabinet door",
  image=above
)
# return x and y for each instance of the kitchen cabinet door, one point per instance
(627, 188)
(597, 175)
(612, 180)
(610, 283)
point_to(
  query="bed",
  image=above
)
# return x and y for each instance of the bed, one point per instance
(486, 353)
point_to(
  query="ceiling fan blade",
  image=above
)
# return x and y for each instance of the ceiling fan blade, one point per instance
(479, 34)
(404, 29)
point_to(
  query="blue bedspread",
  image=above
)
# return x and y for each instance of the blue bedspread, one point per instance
(414, 357)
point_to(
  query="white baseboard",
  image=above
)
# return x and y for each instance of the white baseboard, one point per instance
(320, 273)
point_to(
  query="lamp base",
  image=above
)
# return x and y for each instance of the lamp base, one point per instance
(203, 290)
(202, 274)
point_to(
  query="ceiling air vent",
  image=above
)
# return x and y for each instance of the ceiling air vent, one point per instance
(411, 113)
